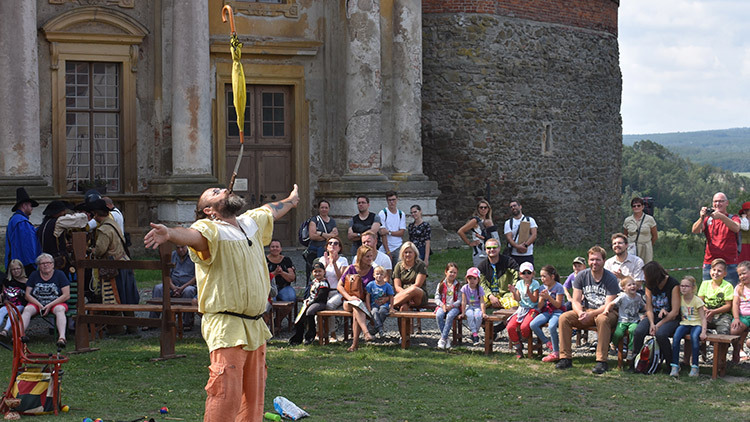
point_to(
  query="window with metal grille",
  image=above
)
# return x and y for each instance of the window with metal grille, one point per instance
(92, 126)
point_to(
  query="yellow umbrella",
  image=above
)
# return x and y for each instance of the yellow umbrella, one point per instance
(238, 86)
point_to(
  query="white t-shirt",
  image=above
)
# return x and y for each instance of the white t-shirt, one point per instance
(516, 225)
(333, 281)
(393, 222)
(382, 260)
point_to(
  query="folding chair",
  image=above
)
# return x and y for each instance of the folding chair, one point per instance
(23, 359)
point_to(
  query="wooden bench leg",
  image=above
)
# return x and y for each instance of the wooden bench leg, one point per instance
(322, 329)
(488, 336)
(720, 359)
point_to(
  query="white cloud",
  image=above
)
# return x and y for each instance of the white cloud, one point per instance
(685, 64)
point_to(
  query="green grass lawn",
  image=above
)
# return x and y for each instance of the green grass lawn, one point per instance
(385, 383)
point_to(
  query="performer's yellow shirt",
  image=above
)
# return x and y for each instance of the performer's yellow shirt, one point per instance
(234, 278)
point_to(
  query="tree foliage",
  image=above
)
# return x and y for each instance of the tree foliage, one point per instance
(679, 187)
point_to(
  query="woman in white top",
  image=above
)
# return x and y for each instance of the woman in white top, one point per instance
(641, 231)
(335, 265)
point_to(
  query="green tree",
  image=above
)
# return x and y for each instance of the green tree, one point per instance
(679, 187)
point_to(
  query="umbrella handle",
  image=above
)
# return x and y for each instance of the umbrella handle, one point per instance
(224, 10)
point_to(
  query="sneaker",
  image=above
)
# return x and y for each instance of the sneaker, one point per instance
(552, 357)
(448, 343)
(675, 372)
(564, 364)
(694, 371)
(549, 346)
(630, 355)
(441, 343)
(592, 348)
(519, 351)
(600, 368)
(475, 339)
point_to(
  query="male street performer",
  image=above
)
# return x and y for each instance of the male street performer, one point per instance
(233, 287)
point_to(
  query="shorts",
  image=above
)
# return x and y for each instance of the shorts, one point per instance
(745, 319)
(39, 311)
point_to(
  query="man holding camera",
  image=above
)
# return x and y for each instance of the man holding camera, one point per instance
(721, 231)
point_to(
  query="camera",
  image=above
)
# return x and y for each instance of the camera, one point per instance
(709, 211)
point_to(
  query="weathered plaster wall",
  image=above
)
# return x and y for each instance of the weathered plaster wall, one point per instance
(494, 89)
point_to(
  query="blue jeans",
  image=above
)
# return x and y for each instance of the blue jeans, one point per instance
(474, 318)
(379, 315)
(731, 276)
(445, 320)
(4, 313)
(680, 332)
(550, 318)
(287, 294)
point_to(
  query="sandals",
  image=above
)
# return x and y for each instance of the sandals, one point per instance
(61, 343)
(352, 349)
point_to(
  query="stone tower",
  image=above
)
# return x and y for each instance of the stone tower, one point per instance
(521, 99)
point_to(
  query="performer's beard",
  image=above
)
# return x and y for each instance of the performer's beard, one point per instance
(232, 205)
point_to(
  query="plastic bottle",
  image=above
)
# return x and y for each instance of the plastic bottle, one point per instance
(272, 416)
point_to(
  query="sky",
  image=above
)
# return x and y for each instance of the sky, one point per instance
(685, 65)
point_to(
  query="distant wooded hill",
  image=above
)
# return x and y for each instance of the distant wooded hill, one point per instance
(726, 148)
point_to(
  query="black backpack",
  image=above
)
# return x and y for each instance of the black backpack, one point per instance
(303, 234)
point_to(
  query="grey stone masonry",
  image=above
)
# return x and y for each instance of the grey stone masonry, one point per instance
(529, 110)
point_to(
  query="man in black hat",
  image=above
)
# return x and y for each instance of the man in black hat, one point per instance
(20, 237)
(45, 233)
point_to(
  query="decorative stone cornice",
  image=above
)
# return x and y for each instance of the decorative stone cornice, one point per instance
(288, 9)
(125, 4)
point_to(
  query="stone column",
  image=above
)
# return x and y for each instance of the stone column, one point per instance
(20, 149)
(363, 104)
(191, 95)
(407, 87)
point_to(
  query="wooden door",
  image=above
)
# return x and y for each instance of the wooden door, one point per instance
(266, 172)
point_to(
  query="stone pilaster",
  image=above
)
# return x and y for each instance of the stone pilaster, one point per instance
(407, 87)
(20, 148)
(363, 104)
(191, 96)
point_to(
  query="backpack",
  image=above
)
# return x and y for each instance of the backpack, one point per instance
(648, 359)
(303, 234)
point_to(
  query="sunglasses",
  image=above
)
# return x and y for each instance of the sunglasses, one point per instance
(526, 272)
(335, 242)
(489, 248)
(483, 207)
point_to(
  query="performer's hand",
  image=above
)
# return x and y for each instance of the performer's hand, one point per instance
(158, 235)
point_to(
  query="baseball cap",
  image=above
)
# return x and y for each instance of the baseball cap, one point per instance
(579, 260)
(526, 266)
(473, 272)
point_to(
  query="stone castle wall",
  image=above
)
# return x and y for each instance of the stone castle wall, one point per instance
(529, 109)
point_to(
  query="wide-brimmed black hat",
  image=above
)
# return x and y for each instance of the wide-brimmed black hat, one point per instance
(55, 207)
(21, 197)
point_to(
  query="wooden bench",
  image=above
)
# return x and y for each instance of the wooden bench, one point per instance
(721, 344)
(283, 310)
(323, 327)
(406, 325)
(91, 313)
(489, 323)
(182, 303)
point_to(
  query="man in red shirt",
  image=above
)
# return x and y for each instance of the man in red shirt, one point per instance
(720, 229)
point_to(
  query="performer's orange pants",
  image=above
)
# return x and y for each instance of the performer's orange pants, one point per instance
(236, 385)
